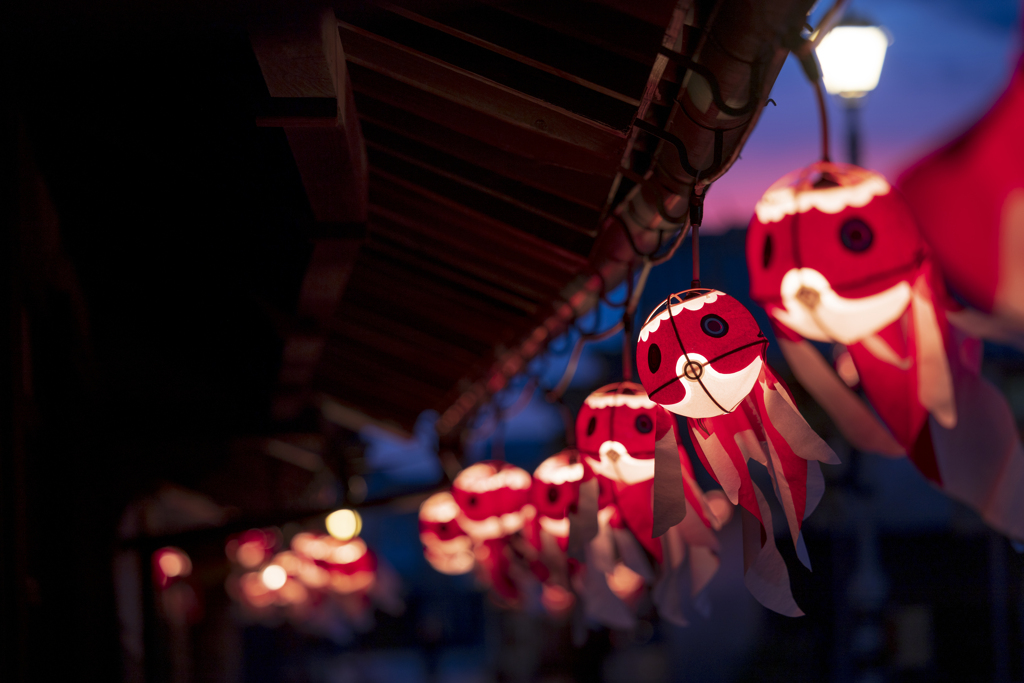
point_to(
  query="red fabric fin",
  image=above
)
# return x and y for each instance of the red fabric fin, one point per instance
(851, 415)
(892, 391)
(719, 450)
(791, 444)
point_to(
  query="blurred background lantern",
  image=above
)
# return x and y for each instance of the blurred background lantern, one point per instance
(446, 546)
(492, 497)
(494, 505)
(252, 548)
(169, 565)
(556, 490)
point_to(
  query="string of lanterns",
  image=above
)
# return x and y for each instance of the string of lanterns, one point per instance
(835, 255)
(317, 579)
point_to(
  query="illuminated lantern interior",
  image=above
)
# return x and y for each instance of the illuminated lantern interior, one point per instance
(700, 354)
(615, 432)
(832, 250)
(492, 497)
(556, 488)
(251, 548)
(446, 546)
(170, 564)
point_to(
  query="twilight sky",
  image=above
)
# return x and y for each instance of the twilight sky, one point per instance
(949, 61)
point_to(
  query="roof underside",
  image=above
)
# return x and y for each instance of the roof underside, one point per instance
(494, 135)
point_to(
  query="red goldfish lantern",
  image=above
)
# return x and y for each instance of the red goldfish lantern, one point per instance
(352, 566)
(556, 490)
(647, 487)
(968, 199)
(555, 495)
(445, 545)
(701, 355)
(493, 499)
(834, 255)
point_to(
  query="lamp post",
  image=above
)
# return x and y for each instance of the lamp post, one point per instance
(851, 58)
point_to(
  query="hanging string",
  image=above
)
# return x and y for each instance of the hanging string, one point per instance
(696, 218)
(819, 91)
(695, 236)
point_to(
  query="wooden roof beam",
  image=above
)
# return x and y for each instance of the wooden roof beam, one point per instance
(305, 60)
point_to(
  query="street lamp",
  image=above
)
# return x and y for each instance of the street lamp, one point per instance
(851, 58)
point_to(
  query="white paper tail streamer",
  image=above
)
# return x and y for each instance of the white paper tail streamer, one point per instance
(993, 328)
(669, 591)
(934, 380)
(981, 460)
(632, 554)
(669, 488)
(788, 421)
(852, 416)
(881, 350)
(766, 575)
(703, 549)
(600, 604)
(785, 496)
(722, 467)
(815, 488)
(583, 522)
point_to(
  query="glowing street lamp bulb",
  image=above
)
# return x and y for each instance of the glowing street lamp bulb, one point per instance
(274, 576)
(344, 524)
(851, 59)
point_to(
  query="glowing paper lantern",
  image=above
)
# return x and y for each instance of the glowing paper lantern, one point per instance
(968, 199)
(555, 495)
(170, 564)
(618, 430)
(700, 355)
(834, 255)
(493, 499)
(445, 545)
(556, 490)
(648, 494)
(252, 548)
(352, 566)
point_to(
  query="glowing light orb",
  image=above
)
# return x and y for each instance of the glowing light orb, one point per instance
(274, 577)
(344, 524)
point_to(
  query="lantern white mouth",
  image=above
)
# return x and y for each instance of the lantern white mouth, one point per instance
(617, 464)
(815, 311)
(497, 526)
(559, 528)
(709, 392)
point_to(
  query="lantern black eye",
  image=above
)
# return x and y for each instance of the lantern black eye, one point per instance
(856, 235)
(552, 494)
(591, 426)
(654, 358)
(713, 325)
(472, 501)
(766, 255)
(644, 424)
